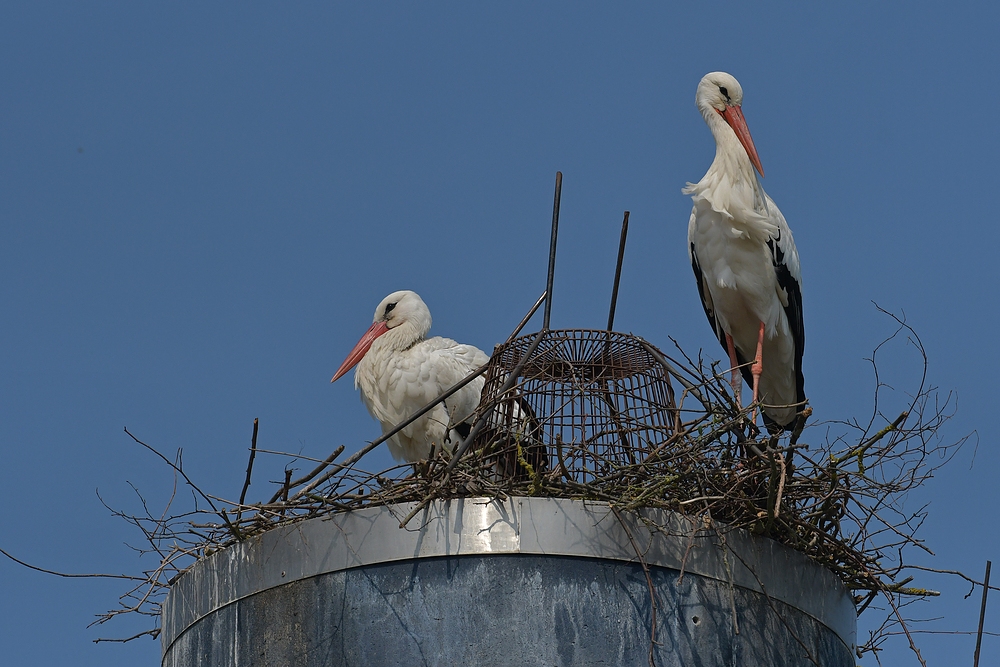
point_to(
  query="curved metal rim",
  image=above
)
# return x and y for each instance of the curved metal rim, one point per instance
(626, 345)
(518, 525)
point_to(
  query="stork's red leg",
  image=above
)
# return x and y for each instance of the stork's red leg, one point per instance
(735, 379)
(758, 366)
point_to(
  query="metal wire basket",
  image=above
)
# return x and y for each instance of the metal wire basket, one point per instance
(584, 404)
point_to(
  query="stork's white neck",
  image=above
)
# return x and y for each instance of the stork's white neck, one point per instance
(400, 337)
(731, 183)
(730, 156)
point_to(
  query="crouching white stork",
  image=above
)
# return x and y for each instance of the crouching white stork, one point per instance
(745, 261)
(401, 371)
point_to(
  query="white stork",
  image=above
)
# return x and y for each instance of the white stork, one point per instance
(401, 371)
(745, 261)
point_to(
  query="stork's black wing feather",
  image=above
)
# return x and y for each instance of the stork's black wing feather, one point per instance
(793, 313)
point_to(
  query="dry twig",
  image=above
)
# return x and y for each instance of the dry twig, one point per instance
(841, 503)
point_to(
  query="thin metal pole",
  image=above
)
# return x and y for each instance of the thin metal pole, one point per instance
(611, 388)
(351, 460)
(527, 317)
(512, 379)
(982, 615)
(552, 251)
(618, 273)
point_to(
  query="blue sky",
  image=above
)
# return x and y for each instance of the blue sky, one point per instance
(200, 208)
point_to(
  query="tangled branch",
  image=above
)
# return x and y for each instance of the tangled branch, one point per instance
(833, 490)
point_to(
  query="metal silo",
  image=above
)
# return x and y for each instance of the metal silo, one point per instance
(520, 581)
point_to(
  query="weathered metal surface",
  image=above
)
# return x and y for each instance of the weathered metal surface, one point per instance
(526, 581)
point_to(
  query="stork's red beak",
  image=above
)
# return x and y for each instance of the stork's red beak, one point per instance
(734, 116)
(361, 349)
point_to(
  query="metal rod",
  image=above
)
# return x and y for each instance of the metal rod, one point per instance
(527, 317)
(611, 388)
(982, 614)
(399, 427)
(618, 272)
(512, 379)
(419, 413)
(552, 251)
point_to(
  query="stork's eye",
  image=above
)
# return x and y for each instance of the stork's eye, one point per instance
(725, 93)
(389, 307)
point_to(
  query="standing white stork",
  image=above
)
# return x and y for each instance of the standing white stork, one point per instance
(401, 371)
(745, 261)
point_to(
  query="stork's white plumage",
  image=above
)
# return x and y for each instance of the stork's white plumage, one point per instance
(745, 260)
(401, 371)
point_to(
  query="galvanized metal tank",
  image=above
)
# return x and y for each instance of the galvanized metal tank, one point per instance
(525, 581)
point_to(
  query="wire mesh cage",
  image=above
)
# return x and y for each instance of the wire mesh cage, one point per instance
(585, 402)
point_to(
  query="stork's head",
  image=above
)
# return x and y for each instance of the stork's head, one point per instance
(720, 93)
(403, 307)
(400, 309)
